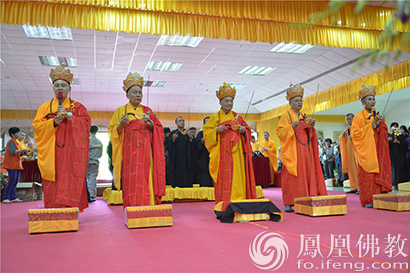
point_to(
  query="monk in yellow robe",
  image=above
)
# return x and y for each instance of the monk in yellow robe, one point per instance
(268, 149)
(348, 153)
(255, 144)
(227, 138)
(61, 131)
(370, 138)
(138, 157)
(302, 174)
(20, 140)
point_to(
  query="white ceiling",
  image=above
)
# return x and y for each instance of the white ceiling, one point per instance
(25, 84)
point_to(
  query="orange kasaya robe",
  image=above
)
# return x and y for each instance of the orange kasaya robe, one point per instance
(302, 174)
(349, 161)
(272, 154)
(373, 155)
(230, 164)
(138, 157)
(63, 154)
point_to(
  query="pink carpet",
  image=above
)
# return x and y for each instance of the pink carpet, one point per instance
(197, 242)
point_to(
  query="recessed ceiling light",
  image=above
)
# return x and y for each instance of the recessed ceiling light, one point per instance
(256, 70)
(177, 40)
(166, 66)
(291, 48)
(155, 83)
(159, 84)
(56, 61)
(237, 86)
(60, 33)
(41, 32)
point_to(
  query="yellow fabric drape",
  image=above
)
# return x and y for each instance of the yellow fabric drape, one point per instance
(282, 11)
(394, 78)
(173, 194)
(210, 26)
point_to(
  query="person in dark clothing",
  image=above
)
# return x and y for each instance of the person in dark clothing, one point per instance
(194, 171)
(330, 159)
(398, 149)
(205, 179)
(167, 149)
(180, 144)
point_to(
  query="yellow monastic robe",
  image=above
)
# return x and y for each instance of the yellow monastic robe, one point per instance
(272, 154)
(364, 142)
(287, 138)
(256, 146)
(349, 161)
(213, 144)
(44, 135)
(22, 145)
(117, 141)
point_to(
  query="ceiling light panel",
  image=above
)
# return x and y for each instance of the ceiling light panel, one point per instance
(163, 66)
(39, 32)
(256, 70)
(54, 33)
(291, 48)
(56, 61)
(177, 40)
(237, 86)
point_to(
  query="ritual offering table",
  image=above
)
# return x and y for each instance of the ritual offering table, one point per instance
(53, 220)
(392, 201)
(148, 216)
(321, 205)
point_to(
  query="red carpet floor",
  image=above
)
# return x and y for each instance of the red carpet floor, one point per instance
(199, 243)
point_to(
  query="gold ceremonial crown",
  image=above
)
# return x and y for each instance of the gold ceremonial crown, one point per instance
(133, 79)
(61, 74)
(366, 91)
(225, 91)
(294, 91)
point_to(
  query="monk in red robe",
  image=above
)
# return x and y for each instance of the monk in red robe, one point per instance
(302, 173)
(227, 138)
(61, 131)
(370, 138)
(137, 138)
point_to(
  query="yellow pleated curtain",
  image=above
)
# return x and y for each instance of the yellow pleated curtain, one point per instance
(263, 21)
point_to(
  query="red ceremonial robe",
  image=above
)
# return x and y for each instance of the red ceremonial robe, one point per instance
(71, 156)
(229, 139)
(309, 180)
(381, 182)
(139, 142)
